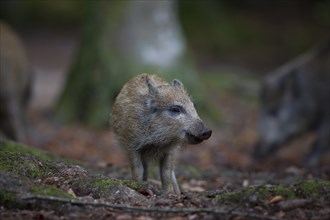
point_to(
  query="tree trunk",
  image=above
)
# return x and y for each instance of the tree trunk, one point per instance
(122, 39)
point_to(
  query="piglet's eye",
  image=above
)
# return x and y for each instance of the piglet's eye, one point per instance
(176, 109)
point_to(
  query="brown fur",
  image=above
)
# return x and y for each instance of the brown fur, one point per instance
(152, 120)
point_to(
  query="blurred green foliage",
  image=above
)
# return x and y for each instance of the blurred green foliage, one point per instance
(212, 28)
(255, 34)
(43, 12)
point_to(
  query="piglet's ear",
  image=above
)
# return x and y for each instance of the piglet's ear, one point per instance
(152, 89)
(177, 84)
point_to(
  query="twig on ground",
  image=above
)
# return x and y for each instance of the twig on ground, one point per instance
(293, 204)
(213, 211)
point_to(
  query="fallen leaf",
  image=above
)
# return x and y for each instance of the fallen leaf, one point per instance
(179, 205)
(190, 188)
(124, 217)
(71, 192)
(293, 204)
(275, 199)
(146, 192)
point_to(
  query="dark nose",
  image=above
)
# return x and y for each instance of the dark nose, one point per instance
(206, 134)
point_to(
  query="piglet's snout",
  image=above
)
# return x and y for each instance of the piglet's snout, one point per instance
(206, 134)
(203, 133)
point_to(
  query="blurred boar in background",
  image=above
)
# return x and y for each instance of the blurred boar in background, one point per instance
(15, 84)
(294, 100)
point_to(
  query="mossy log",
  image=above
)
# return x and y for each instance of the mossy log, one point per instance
(26, 172)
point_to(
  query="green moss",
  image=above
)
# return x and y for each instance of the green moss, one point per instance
(312, 188)
(26, 165)
(48, 190)
(11, 146)
(286, 192)
(304, 189)
(7, 199)
(235, 196)
(100, 186)
(12, 187)
(104, 183)
(263, 193)
(132, 184)
(8, 146)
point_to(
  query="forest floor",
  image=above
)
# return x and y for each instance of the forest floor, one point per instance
(219, 178)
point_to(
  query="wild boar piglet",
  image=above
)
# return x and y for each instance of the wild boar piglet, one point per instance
(152, 120)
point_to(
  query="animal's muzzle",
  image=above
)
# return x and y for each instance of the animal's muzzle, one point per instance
(207, 134)
(195, 139)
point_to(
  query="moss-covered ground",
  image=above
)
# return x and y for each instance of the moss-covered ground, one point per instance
(28, 173)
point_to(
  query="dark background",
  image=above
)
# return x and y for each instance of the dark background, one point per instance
(232, 45)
